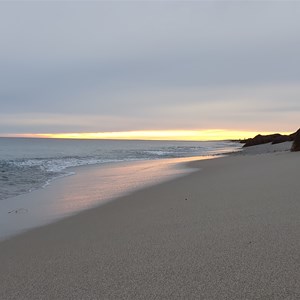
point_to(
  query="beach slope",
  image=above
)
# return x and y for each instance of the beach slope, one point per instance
(228, 231)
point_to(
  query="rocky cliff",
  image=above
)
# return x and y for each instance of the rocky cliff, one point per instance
(275, 138)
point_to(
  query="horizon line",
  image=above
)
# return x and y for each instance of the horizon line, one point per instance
(159, 135)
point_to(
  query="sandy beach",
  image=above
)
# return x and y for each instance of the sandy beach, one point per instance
(228, 231)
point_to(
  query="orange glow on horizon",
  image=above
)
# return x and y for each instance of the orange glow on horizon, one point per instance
(179, 135)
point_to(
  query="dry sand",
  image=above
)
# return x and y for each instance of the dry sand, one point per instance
(267, 148)
(229, 231)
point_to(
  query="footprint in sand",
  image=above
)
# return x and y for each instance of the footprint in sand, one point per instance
(19, 211)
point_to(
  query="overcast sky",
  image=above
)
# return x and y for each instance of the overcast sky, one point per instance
(113, 66)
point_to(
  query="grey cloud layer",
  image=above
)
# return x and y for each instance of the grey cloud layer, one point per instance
(148, 61)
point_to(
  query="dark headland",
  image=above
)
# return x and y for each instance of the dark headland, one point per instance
(275, 138)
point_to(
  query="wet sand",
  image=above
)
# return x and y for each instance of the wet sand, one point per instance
(228, 231)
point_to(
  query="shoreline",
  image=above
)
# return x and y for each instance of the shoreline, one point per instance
(88, 187)
(227, 231)
(44, 161)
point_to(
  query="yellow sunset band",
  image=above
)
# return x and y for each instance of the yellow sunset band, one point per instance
(180, 135)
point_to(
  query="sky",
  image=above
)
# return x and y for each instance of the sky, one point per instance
(117, 66)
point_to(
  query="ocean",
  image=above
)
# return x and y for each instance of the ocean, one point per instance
(27, 164)
(44, 180)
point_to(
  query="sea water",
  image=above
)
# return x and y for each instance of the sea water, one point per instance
(27, 164)
(36, 186)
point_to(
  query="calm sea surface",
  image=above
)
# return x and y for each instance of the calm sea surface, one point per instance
(29, 198)
(28, 164)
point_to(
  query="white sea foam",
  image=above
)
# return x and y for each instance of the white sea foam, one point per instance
(158, 152)
(59, 165)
